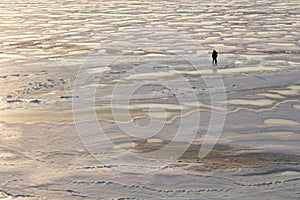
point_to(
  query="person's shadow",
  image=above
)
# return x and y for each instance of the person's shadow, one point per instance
(215, 69)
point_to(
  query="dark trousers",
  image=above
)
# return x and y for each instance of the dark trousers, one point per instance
(214, 61)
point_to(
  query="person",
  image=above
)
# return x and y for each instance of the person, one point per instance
(214, 56)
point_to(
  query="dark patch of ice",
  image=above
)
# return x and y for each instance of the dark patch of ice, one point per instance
(14, 101)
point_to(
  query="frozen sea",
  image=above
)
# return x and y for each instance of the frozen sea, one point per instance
(119, 99)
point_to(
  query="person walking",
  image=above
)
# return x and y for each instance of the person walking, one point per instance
(214, 56)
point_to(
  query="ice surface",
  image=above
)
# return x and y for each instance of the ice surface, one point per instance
(43, 44)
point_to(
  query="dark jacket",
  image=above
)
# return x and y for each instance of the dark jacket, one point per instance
(214, 54)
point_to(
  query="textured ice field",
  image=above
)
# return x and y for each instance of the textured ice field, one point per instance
(44, 43)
